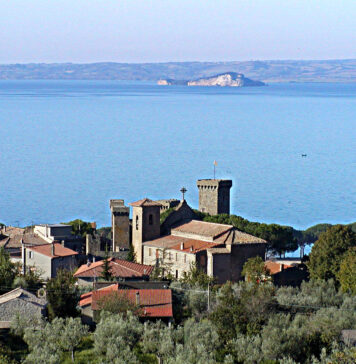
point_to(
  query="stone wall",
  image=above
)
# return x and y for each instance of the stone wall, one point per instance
(175, 261)
(214, 196)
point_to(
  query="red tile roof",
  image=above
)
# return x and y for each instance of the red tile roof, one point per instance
(153, 302)
(119, 268)
(59, 250)
(275, 267)
(145, 202)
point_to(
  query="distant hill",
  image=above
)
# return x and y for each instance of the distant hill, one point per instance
(267, 71)
(227, 79)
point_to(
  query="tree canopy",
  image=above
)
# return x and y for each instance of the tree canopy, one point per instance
(62, 295)
(329, 250)
(347, 272)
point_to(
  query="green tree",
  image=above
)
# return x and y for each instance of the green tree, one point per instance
(115, 337)
(226, 316)
(31, 280)
(131, 256)
(80, 227)
(328, 251)
(48, 342)
(196, 277)
(255, 271)
(158, 339)
(106, 273)
(62, 295)
(115, 302)
(72, 334)
(8, 271)
(347, 273)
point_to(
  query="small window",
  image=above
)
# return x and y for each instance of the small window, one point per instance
(136, 222)
(176, 257)
(176, 274)
(169, 256)
(150, 219)
(149, 252)
(185, 258)
(30, 255)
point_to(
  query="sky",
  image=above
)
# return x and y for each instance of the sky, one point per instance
(83, 31)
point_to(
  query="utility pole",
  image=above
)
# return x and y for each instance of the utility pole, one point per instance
(208, 297)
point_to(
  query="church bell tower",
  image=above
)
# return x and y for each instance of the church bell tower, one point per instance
(145, 224)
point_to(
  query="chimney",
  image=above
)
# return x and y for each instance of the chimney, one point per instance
(144, 271)
(191, 249)
(181, 246)
(52, 249)
(137, 298)
(62, 242)
(282, 267)
(88, 263)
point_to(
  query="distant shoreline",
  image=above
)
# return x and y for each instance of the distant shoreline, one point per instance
(323, 71)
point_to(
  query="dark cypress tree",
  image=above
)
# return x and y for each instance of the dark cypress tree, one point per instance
(106, 273)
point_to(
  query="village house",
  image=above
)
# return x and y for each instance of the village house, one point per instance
(48, 259)
(152, 304)
(287, 272)
(12, 239)
(20, 302)
(121, 270)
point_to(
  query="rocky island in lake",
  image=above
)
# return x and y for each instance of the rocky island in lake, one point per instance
(227, 79)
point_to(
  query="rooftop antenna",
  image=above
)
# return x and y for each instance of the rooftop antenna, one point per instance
(215, 164)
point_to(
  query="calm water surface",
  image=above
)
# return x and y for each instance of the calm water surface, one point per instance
(67, 147)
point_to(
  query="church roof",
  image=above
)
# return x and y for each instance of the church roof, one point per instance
(144, 202)
(203, 228)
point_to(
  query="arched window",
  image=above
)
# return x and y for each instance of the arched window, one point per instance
(150, 219)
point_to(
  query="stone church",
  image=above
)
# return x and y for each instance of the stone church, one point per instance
(181, 240)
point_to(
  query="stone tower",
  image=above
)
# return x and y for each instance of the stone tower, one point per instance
(145, 224)
(120, 224)
(214, 196)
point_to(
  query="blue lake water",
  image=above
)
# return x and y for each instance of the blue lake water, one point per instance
(67, 147)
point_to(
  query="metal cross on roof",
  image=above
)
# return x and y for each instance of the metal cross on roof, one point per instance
(183, 190)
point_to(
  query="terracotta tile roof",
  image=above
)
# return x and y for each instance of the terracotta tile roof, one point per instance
(203, 228)
(275, 267)
(59, 250)
(119, 268)
(14, 241)
(145, 202)
(153, 302)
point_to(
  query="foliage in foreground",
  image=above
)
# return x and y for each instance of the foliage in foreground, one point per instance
(329, 251)
(62, 295)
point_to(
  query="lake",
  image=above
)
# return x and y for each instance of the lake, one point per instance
(67, 147)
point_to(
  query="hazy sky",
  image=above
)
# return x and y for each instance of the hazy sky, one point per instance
(180, 30)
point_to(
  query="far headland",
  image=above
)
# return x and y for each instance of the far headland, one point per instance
(226, 79)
